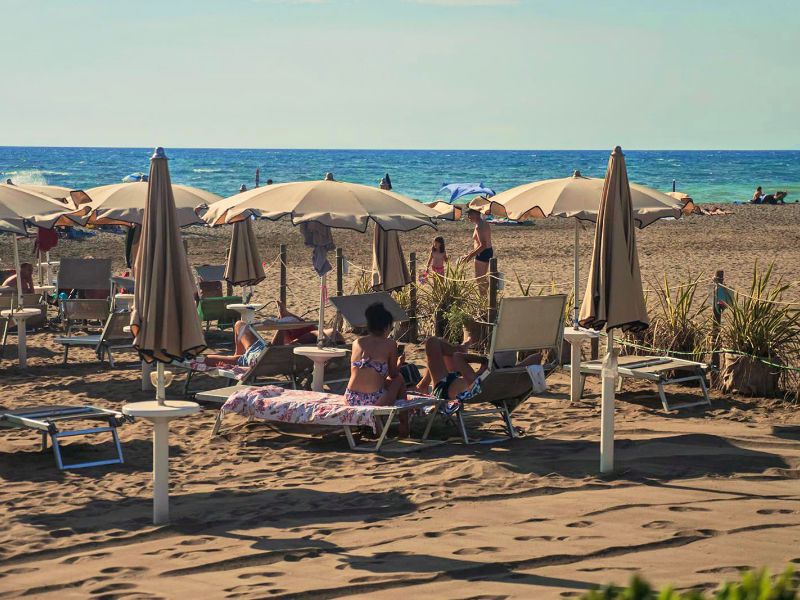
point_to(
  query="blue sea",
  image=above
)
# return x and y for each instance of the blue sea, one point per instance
(708, 176)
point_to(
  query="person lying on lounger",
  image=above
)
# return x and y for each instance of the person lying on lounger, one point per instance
(307, 334)
(249, 347)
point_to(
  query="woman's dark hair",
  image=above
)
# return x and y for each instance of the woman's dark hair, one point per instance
(379, 320)
(438, 240)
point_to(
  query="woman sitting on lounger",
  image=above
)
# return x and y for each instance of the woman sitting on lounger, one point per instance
(374, 375)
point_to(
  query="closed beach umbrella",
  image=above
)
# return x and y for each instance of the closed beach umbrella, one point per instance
(164, 319)
(244, 262)
(579, 197)
(123, 204)
(614, 298)
(389, 268)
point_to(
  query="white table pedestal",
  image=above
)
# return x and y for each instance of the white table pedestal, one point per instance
(19, 316)
(319, 356)
(247, 311)
(576, 336)
(160, 415)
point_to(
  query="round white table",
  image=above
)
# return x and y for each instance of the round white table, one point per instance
(161, 415)
(123, 301)
(248, 311)
(576, 336)
(44, 289)
(19, 316)
(319, 356)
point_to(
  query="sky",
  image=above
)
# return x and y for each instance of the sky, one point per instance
(472, 74)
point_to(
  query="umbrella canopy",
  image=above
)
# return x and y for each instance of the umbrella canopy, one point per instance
(164, 319)
(124, 203)
(18, 204)
(389, 267)
(454, 191)
(579, 197)
(244, 261)
(335, 204)
(445, 210)
(56, 192)
(614, 297)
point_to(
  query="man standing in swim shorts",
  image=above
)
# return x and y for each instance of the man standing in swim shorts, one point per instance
(482, 250)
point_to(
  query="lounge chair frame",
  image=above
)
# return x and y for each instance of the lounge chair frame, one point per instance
(385, 415)
(524, 324)
(112, 338)
(46, 420)
(660, 370)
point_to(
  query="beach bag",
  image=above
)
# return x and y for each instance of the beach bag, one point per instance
(538, 380)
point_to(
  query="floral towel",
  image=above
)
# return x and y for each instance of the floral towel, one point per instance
(272, 403)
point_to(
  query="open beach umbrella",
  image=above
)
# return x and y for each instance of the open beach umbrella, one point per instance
(56, 192)
(164, 319)
(614, 298)
(334, 204)
(579, 197)
(123, 204)
(244, 265)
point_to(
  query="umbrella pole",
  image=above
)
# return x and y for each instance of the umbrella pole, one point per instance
(323, 281)
(607, 407)
(47, 267)
(576, 273)
(161, 392)
(17, 270)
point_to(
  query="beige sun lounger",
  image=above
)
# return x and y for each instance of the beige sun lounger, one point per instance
(113, 338)
(524, 325)
(384, 415)
(661, 370)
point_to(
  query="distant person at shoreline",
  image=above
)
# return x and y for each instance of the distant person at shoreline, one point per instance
(482, 251)
(758, 196)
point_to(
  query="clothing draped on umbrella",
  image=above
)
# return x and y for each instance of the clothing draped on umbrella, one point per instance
(318, 236)
(244, 265)
(164, 319)
(389, 268)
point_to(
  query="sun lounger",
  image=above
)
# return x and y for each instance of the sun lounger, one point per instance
(524, 325)
(307, 408)
(661, 370)
(47, 419)
(114, 337)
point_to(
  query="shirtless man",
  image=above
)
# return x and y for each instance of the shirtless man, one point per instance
(26, 281)
(482, 250)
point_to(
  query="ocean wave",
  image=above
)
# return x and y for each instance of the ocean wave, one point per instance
(207, 170)
(32, 176)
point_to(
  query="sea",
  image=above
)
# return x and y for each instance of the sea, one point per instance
(707, 176)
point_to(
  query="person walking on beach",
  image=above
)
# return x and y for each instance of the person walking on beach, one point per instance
(482, 251)
(438, 259)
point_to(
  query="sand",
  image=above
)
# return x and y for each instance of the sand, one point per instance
(697, 496)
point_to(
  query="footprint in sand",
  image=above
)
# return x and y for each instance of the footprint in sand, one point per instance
(775, 511)
(77, 559)
(580, 524)
(110, 588)
(122, 570)
(472, 551)
(657, 524)
(731, 569)
(196, 541)
(260, 574)
(17, 571)
(531, 538)
(688, 509)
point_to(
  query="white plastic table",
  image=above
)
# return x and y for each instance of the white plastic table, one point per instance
(123, 301)
(319, 356)
(576, 336)
(44, 289)
(248, 311)
(20, 315)
(161, 415)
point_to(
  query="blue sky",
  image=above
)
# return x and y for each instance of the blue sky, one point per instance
(541, 74)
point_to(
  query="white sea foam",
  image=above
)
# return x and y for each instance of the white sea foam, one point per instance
(207, 170)
(32, 176)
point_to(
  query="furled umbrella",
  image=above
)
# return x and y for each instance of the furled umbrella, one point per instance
(389, 268)
(244, 265)
(334, 204)
(614, 298)
(164, 318)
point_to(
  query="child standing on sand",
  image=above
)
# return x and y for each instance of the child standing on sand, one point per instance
(438, 256)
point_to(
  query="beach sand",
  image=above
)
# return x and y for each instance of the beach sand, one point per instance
(697, 495)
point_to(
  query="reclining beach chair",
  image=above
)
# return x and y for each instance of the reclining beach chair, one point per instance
(47, 419)
(91, 279)
(524, 325)
(112, 338)
(661, 370)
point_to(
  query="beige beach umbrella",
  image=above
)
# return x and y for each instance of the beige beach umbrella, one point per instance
(123, 204)
(446, 211)
(328, 203)
(579, 197)
(56, 192)
(336, 204)
(614, 298)
(244, 265)
(164, 319)
(389, 268)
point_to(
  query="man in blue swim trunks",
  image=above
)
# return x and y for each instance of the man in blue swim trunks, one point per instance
(482, 250)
